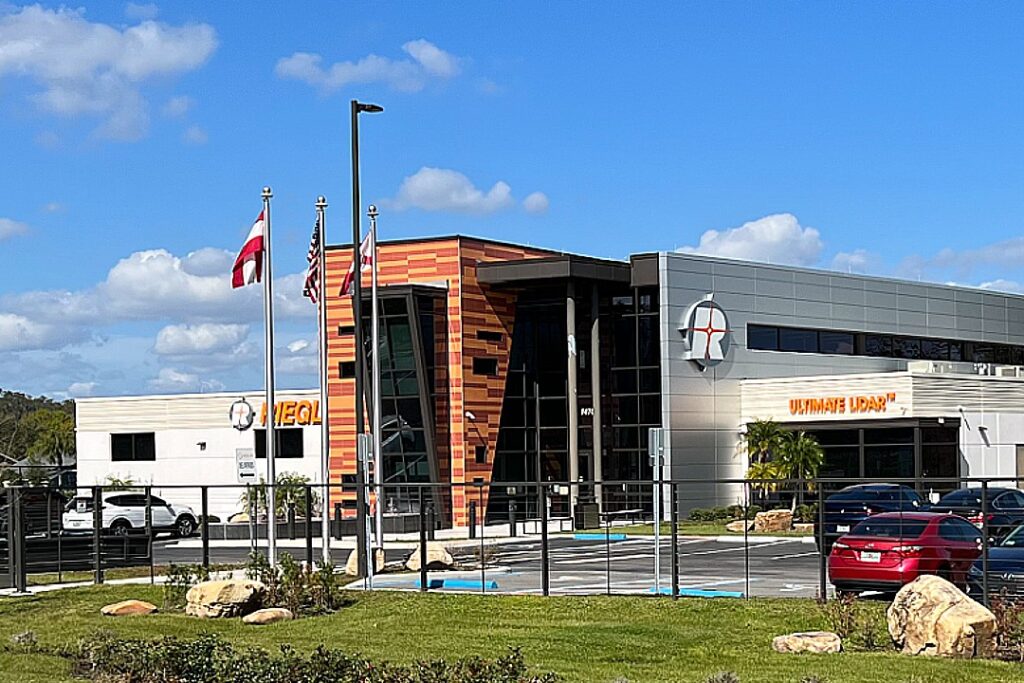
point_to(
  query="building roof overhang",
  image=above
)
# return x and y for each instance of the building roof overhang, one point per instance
(561, 267)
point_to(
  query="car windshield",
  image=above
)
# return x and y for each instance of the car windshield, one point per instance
(1015, 539)
(890, 528)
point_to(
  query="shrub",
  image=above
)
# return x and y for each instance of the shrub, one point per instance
(209, 659)
(1009, 628)
(860, 624)
(179, 578)
(806, 513)
(295, 586)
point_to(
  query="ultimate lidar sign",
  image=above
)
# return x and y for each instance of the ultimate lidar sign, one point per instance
(841, 405)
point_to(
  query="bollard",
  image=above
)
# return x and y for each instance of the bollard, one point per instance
(472, 519)
(204, 526)
(512, 518)
(291, 520)
(337, 521)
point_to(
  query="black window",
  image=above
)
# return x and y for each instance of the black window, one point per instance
(347, 369)
(481, 455)
(488, 335)
(485, 366)
(800, 341)
(835, 342)
(877, 345)
(890, 527)
(1011, 500)
(132, 447)
(288, 442)
(935, 349)
(762, 337)
(346, 330)
(951, 531)
(118, 501)
(906, 347)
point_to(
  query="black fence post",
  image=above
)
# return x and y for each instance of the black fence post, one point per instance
(608, 553)
(483, 549)
(423, 543)
(511, 516)
(822, 547)
(205, 527)
(674, 519)
(431, 520)
(16, 546)
(309, 525)
(97, 530)
(149, 533)
(984, 542)
(337, 521)
(472, 519)
(291, 520)
(746, 542)
(253, 518)
(545, 579)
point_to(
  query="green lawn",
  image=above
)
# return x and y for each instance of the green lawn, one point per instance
(594, 639)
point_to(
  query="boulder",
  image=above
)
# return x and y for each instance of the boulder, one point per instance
(804, 527)
(352, 564)
(438, 557)
(238, 517)
(773, 520)
(931, 616)
(268, 615)
(814, 642)
(224, 598)
(737, 526)
(128, 608)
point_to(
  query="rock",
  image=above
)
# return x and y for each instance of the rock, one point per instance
(438, 557)
(128, 608)
(815, 642)
(268, 616)
(804, 527)
(773, 520)
(224, 598)
(352, 564)
(931, 616)
(737, 526)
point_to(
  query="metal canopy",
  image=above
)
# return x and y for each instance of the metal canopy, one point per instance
(562, 267)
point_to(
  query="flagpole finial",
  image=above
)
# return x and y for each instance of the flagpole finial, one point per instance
(372, 213)
(321, 201)
(267, 194)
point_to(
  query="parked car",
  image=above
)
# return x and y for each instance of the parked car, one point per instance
(849, 506)
(1005, 569)
(125, 512)
(1004, 508)
(888, 550)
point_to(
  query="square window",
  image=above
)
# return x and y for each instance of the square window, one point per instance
(835, 342)
(762, 337)
(485, 366)
(798, 341)
(133, 447)
(481, 455)
(287, 441)
(347, 369)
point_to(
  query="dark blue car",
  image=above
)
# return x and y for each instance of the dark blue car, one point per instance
(1005, 569)
(848, 507)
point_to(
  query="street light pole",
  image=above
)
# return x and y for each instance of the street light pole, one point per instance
(357, 315)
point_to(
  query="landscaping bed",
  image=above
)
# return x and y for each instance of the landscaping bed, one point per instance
(631, 639)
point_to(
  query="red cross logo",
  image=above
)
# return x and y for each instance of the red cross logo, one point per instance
(706, 332)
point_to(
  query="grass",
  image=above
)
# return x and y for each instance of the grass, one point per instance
(113, 574)
(697, 529)
(593, 639)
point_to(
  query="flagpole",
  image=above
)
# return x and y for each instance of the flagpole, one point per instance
(378, 457)
(325, 444)
(268, 325)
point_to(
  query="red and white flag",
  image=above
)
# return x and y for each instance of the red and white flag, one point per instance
(311, 289)
(366, 259)
(248, 268)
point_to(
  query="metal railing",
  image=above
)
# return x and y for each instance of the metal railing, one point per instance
(719, 537)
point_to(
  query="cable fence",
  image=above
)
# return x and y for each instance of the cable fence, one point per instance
(730, 538)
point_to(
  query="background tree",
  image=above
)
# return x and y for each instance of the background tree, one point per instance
(801, 458)
(763, 439)
(291, 487)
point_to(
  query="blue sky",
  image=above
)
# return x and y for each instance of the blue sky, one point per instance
(874, 137)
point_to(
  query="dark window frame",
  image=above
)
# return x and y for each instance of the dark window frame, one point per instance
(280, 435)
(149, 455)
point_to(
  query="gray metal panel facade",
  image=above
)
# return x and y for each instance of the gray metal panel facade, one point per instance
(701, 408)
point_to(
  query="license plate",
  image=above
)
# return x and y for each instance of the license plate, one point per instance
(871, 557)
(843, 528)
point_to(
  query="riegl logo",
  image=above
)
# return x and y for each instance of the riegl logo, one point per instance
(706, 333)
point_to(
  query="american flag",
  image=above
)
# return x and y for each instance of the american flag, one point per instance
(312, 287)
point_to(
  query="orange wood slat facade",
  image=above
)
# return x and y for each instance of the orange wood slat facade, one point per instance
(470, 307)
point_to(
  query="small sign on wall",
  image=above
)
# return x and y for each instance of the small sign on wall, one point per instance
(246, 461)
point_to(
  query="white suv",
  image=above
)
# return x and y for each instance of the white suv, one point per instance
(125, 512)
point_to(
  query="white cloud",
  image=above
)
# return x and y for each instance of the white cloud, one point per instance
(774, 239)
(856, 261)
(76, 389)
(169, 380)
(18, 332)
(298, 345)
(141, 12)
(404, 75)
(441, 189)
(536, 202)
(204, 338)
(176, 107)
(53, 207)
(1002, 285)
(95, 69)
(194, 135)
(10, 228)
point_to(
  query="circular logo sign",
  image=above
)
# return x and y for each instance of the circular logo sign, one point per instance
(241, 415)
(706, 333)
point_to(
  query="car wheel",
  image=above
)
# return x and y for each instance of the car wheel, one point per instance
(120, 527)
(184, 527)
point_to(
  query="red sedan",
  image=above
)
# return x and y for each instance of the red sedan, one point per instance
(886, 551)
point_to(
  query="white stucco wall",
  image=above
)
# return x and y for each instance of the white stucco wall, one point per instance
(988, 445)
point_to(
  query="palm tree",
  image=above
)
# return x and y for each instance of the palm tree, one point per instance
(764, 440)
(801, 457)
(765, 477)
